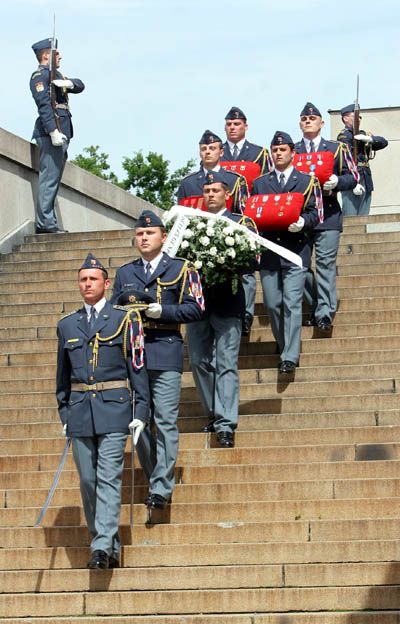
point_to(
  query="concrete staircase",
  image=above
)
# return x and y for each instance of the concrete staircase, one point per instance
(298, 524)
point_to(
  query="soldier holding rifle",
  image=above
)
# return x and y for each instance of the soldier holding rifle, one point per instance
(53, 128)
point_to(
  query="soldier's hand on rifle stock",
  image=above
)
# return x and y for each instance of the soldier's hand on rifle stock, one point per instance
(67, 84)
(364, 138)
(136, 427)
(58, 138)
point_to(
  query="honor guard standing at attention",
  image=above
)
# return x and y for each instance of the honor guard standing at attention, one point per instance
(97, 370)
(214, 341)
(367, 145)
(282, 281)
(190, 191)
(53, 129)
(340, 175)
(251, 161)
(175, 288)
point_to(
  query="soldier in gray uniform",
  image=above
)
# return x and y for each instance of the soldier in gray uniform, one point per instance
(96, 372)
(52, 132)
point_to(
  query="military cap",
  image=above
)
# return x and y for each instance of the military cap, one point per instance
(215, 176)
(281, 138)
(91, 262)
(209, 137)
(347, 109)
(310, 109)
(236, 113)
(148, 218)
(42, 45)
(132, 296)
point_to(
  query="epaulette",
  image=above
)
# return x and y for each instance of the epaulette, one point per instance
(190, 175)
(179, 258)
(69, 314)
(127, 263)
(36, 74)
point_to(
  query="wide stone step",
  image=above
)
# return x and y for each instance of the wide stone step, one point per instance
(35, 478)
(257, 511)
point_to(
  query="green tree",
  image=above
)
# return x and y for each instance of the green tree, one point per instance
(149, 177)
(96, 163)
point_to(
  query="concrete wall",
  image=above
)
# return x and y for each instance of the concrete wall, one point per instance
(84, 203)
(383, 122)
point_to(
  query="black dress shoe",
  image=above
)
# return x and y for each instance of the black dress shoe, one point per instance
(99, 560)
(209, 427)
(325, 324)
(113, 562)
(287, 367)
(155, 501)
(310, 322)
(247, 322)
(51, 231)
(225, 439)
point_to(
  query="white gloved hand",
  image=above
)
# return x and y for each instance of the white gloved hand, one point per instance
(136, 427)
(331, 183)
(364, 138)
(58, 138)
(67, 84)
(154, 310)
(297, 226)
(359, 189)
(65, 430)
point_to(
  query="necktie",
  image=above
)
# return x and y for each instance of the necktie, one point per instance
(312, 146)
(147, 271)
(282, 181)
(235, 152)
(92, 320)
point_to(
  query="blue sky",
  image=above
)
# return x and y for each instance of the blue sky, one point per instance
(158, 73)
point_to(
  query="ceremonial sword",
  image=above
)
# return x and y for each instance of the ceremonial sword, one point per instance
(54, 484)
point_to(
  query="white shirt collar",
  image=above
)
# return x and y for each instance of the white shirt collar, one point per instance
(239, 145)
(316, 142)
(154, 263)
(287, 173)
(216, 168)
(97, 306)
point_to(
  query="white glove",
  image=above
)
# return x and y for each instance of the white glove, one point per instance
(136, 427)
(65, 430)
(364, 138)
(359, 189)
(331, 183)
(297, 226)
(154, 310)
(67, 84)
(58, 138)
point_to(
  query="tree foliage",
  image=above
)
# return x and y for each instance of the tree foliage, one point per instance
(148, 177)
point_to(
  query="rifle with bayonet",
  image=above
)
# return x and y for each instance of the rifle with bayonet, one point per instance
(356, 121)
(53, 75)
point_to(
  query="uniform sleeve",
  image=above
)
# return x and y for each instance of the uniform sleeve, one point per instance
(117, 288)
(78, 86)
(39, 85)
(63, 377)
(347, 180)
(378, 142)
(191, 307)
(138, 377)
(310, 208)
(181, 192)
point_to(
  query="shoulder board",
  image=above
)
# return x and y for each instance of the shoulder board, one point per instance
(179, 258)
(127, 264)
(36, 74)
(69, 314)
(259, 147)
(189, 175)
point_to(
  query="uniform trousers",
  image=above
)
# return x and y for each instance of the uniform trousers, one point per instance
(249, 286)
(100, 462)
(283, 291)
(51, 166)
(356, 205)
(214, 350)
(158, 449)
(320, 289)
